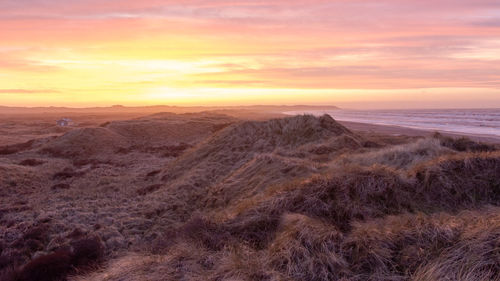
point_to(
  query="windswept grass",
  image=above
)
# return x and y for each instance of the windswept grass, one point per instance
(299, 198)
(401, 156)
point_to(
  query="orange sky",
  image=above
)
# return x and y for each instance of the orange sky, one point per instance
(351, 53)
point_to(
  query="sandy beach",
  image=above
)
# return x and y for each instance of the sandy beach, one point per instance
(398, 130)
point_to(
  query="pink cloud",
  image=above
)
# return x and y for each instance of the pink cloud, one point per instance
(25, 65)
(407, 43)
(26, 91)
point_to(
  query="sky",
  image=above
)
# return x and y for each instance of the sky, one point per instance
(350, 53)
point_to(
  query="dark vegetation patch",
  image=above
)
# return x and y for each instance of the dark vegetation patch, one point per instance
(66, 173)
(165, 151)
(54, 266)
(87, 253)
(19, 251)
(153, 173)
(371, 144)
(15, 148)
(56, 152)
(38, 233)
(77, 156)
(78, 257)
(458, 183)
(4, 261)
(105, 124)
(207, 233)
(60, 186)
(175, 150)
(31, 162)
(76, 233)
(148, 189)
(255, 232)
(254, 229)
(463, 144)
(162, 243)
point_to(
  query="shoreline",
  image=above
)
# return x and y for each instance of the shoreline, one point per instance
(399, 130)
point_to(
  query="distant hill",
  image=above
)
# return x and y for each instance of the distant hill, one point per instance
(159, 108)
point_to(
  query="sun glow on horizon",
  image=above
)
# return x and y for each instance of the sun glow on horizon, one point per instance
(85, 53)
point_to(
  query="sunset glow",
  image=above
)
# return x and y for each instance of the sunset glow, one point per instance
(405, 53)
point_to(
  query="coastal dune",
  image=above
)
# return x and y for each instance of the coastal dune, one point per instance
(206, 196)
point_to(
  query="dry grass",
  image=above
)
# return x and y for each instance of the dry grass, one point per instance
(475, 258)
(300, 198)
(307, 249)
(84, 143)
(464, 144)
(401, 156)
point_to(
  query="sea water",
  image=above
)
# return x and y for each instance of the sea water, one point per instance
(467, 121)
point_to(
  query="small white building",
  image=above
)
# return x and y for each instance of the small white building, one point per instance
(64, 122)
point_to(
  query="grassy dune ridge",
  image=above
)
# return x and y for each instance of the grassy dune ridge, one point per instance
(298, 198)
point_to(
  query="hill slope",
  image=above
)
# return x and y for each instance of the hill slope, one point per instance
(245, 151)
(300, 198)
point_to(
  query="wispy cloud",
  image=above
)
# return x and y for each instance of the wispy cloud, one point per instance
(101, 46)
(28, 91)
(26, 66)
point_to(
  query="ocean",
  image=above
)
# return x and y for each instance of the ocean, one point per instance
(468, 121)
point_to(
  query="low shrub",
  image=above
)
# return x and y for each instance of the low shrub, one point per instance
(87, 253)
(463, 144)
(51, 267)
(84, 254)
